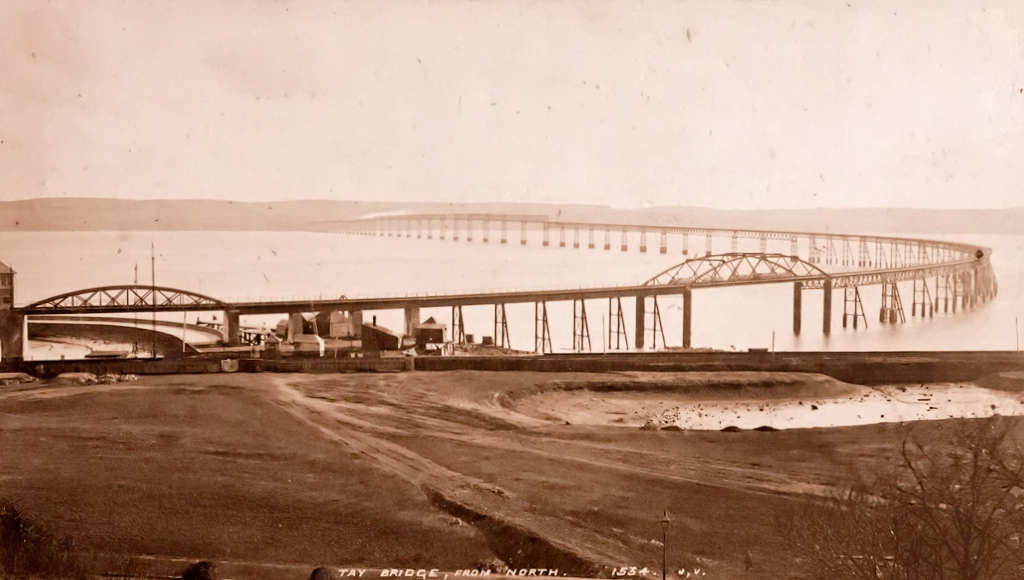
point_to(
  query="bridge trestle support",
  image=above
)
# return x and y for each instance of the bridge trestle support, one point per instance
(641, 312)
(541, 330)
(853, 307)
(13, 335)
(657, 329)
(580, 327)
(501, 338)
(616, 326)
(922, 298)
(458, 326)
(798, 288)
(892, 306)
(826, 318)
(412, 320)
(687, 318)
(232, 328)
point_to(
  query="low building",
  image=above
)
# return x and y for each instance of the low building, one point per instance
(377, 338)
(430, 332)
(6, 286)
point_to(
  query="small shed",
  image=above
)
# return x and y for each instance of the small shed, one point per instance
(430, 332)
(377, 338)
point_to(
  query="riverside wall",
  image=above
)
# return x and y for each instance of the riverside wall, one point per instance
(854, 367)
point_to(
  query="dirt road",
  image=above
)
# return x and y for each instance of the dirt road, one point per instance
(415, 470)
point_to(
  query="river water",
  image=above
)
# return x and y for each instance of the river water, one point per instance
(252, 265)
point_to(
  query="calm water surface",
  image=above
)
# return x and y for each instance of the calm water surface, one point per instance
(251, 265)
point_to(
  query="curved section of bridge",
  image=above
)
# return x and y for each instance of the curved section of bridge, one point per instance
(962, 271)
(943, 274)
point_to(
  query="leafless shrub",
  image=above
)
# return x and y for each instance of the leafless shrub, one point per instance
(947, 507)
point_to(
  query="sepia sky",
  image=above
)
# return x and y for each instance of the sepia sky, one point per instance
(716, 103)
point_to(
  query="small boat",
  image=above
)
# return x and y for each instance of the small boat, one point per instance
(108, 354)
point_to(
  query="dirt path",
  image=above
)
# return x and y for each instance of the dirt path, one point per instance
(509, 523)
(381, 420)
(419, 415)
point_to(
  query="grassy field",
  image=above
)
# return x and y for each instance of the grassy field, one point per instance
(411, 470)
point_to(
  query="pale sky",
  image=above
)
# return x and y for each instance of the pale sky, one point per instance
(715, 103)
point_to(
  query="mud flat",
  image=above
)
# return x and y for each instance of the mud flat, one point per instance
(447, 470)
(758, 400)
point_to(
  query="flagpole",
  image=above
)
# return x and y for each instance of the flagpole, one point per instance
(135, 335)
(152, 266)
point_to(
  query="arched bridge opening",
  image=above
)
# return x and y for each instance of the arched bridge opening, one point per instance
(736, 269)
(130, 298)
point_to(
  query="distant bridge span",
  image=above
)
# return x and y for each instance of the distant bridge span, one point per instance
(943, 273)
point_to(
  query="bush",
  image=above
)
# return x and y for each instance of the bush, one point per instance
(949, 507)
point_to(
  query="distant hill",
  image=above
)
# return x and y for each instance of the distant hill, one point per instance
(95, 214)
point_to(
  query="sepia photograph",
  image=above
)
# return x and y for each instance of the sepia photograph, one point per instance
(444, 289)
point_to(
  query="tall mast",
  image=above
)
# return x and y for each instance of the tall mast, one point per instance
(135, 335)
(152, 265)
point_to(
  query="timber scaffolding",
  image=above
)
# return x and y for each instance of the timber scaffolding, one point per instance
(945, 275)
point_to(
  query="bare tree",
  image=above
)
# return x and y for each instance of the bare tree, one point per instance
(948, 506)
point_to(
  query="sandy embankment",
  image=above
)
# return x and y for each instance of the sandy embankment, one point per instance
(716, 401)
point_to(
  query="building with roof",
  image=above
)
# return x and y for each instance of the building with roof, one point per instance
(6, 287)
(429, 331)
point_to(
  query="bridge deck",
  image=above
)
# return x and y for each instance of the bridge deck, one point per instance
(902, 259)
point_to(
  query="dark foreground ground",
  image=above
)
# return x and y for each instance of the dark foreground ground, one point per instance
(410, 470)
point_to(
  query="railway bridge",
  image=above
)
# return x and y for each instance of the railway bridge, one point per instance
(941, 275)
